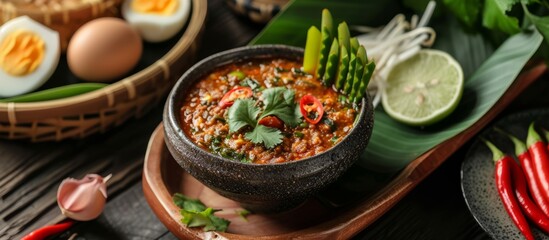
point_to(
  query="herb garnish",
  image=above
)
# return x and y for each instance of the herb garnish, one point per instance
(278, 101)
(196, 214)
(249, 82)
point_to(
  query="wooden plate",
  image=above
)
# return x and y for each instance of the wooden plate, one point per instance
(332, 214)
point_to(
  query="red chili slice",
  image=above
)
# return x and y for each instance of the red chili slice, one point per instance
(311, 107)
(271, 121)
(235, 93)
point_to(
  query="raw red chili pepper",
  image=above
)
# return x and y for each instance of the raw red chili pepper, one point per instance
(271, 121)
(530, 174)
(538, 152)
(311, 109)
(235, 93)
(504, 185)
(530, 209)
(48, 231)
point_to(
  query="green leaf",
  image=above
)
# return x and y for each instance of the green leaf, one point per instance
(541, 23)
(268, 136)
(195, 219)
(466, 10)
(291, 24)
(187, 203)
(195, 214)
(297, 114)
(279, 101)
(483, 85)
(494, 17)
(481, 91)
(242, 113)
(218, 224)
(243, 213)
(56, 93)
(179, 199)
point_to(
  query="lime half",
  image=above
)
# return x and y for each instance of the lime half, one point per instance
(424, 88)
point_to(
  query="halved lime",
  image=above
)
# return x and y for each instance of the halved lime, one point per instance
(424, 88)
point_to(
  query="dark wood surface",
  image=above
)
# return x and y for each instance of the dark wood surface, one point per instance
(30, 173)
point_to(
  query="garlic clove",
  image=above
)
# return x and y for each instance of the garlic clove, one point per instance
(83, 199)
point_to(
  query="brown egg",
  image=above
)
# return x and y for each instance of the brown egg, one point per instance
(103, 50)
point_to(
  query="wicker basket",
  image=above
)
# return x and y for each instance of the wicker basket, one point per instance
(97, 111)
(64, 17)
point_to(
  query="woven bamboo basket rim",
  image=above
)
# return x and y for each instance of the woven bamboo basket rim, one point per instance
(123, 89)
(61, 14)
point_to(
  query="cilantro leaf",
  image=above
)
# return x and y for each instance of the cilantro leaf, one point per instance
(242, 113)
(270, 137)
(243, 213)
(195, 219)
(185, 202)
(218, 224)
(495, 16)
(297, 114)
(195, 214)
(279, 101)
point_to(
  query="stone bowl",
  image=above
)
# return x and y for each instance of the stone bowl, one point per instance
(260, 187)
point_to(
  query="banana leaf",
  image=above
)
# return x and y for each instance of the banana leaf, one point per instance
(489, 71)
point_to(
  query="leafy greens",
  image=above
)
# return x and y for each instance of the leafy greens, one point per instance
(278, 101)
(196, 214)
(501, 15)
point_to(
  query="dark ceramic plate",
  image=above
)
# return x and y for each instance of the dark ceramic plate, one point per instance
(477, 174)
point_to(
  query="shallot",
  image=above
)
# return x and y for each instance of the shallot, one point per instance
(83, 199)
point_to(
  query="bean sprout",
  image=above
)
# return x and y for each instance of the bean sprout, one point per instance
(393, 43)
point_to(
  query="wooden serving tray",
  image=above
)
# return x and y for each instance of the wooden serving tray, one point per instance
(319, 217)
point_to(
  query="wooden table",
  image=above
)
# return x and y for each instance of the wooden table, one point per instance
(30, 173)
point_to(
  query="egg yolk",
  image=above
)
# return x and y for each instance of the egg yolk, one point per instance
(21, 52)
(160, 7)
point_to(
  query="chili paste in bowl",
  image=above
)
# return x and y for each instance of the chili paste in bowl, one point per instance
(265, 111)
(251, 125)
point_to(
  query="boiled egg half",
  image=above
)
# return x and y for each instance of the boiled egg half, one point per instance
(156, 20)
(29, 54)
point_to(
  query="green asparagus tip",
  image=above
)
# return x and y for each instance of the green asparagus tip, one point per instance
(496, 153)
(533, 136)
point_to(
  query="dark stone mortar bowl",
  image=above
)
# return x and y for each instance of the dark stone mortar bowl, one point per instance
(260, 187)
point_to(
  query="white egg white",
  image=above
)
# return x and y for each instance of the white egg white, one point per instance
(157, 28)
(11, 85)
